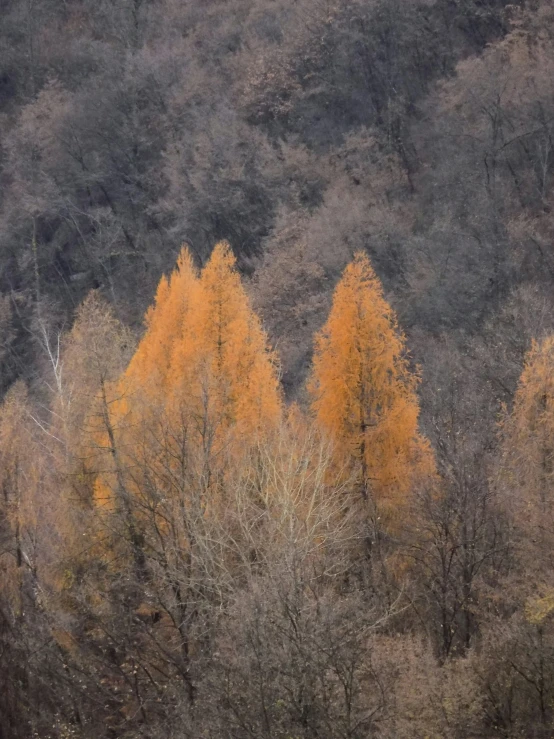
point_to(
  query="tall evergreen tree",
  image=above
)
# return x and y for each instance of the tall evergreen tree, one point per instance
(363, 393)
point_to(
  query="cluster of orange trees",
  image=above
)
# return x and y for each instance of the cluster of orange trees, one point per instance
(133, 450)
(152, 434)
(204, 377)
(200, 398)
(149, 492)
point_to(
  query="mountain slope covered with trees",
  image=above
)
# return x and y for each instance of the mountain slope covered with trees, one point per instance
(276, 360)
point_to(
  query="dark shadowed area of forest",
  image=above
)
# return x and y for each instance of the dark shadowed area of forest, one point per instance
(276, 369)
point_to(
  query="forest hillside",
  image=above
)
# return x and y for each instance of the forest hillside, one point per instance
(276, 369)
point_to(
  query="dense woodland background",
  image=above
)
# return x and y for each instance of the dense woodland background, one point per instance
(302, 131)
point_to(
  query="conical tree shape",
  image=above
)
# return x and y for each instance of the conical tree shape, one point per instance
(150, 365)
(363, 394)
(143, 388)
(222, 365)
(201, 386)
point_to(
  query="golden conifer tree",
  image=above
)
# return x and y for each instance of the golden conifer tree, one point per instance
(165, 320)
(222, 366)
(363, 394)
(202, 381)
(142, 389)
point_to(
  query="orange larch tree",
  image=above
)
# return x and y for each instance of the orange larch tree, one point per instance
(128, 425)
(363, 393)
(199, 395)
(149, 369)
(222, 370)
(203, 380)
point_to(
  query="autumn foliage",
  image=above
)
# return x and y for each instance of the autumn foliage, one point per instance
(181, 537)
(277, 504)
(204, 351)
(202, 381)
(363, 392)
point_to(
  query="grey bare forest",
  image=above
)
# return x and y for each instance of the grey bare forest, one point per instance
(276, 369)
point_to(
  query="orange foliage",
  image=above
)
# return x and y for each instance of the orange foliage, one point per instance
(150, 366)
(203, 374)
(222, 364)
(363, 394)
(144, 388)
